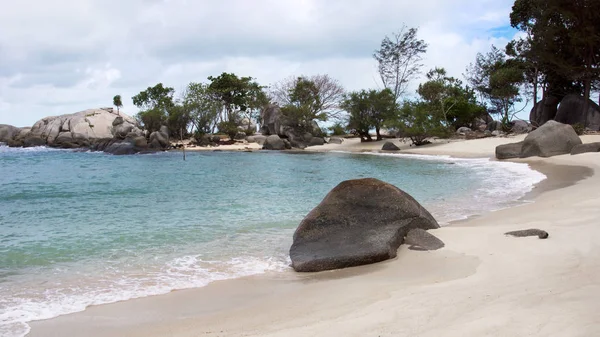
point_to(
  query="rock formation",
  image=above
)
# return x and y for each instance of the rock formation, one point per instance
(544, 110)
(551, 139)
(570, 111)
(359, 222)
(8, 133)
(273, 142)
(275, 123)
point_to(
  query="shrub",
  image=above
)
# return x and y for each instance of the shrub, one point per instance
(579, 128)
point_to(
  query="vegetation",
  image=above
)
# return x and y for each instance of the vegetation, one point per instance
(117, 102)
(557, 54)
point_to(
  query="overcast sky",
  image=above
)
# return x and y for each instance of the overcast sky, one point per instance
(64, 56)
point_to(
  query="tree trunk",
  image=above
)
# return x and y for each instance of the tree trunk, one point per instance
(378, 134)
(535, 86)
(588, 85)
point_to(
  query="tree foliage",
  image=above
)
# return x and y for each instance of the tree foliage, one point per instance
(369, 110)
(155, 104)
(117, 102)
(307, 98)
(399, 60)
(202, 108)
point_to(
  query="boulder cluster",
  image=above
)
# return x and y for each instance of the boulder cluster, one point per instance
(95, 129)
(551, 139)
(283, 134)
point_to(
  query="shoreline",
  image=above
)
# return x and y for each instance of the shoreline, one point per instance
(210, 308)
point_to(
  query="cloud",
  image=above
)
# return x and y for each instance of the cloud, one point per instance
(62, 56)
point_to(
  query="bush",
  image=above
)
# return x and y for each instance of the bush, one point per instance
(229, 128)
(579, 128)
(337, 129)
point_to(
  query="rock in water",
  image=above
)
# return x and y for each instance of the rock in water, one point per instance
(420, 239)
(508, 151)
(550, 139)
(583, 148)
(389, 146)
(8, 133)
(529, 232)
(359, 222)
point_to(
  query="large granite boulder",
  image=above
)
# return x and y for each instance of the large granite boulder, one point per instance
(359, 222)
(259, 139)
(509, 151)
(271, 120)
(520, 127)
(544, 110)
(132, 144)
(273, 142)
(584, 148)
(550, 139)
(8, 133)
(159, 140)
(570, 111)
(80, 129)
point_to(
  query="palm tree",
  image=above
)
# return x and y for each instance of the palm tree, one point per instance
(117, 102)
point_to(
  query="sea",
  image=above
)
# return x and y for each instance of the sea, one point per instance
(88, 228)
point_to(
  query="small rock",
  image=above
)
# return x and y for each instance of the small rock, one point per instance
(529, 232)
(389, 146)
(420, 239)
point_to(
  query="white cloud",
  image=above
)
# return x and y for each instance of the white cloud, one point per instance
(62, 56)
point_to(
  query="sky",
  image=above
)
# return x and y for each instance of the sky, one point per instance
(64, 56)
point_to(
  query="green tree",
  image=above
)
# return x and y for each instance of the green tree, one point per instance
(239, 96)
(117, 102)
(309, 98)
(498, 82)
(399, 60)
(446, 96)
(202, 108)
(416, 122)
(369, 110)
(154, 104)
(564, 37)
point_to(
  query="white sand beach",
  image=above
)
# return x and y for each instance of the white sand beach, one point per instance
(482, 283)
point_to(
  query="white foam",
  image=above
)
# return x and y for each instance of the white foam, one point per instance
(180, 273)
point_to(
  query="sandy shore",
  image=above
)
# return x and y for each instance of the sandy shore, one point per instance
(482, 284)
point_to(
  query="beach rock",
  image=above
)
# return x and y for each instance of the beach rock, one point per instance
(287, 144)
(583, 148)
(520, 127)
(463, 130)
(529, 232)
(508, 151)
(494, 126)
(8, 133)
(273, 142)
(316, 141)
(550, 139)
(259, 139)
(359, 222)
(389, 146)
(570, 111)
(544, 111)
(335, 140)
(497, 133)
(159, 140)
(420, 239)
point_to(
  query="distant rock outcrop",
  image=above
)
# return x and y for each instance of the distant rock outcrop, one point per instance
(570, 111)
(8, 133)
(273, 142)
(275, 123)
(359, 222)
(550, 139)
(81, 129)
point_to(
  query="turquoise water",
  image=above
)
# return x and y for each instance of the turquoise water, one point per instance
(80, 228)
